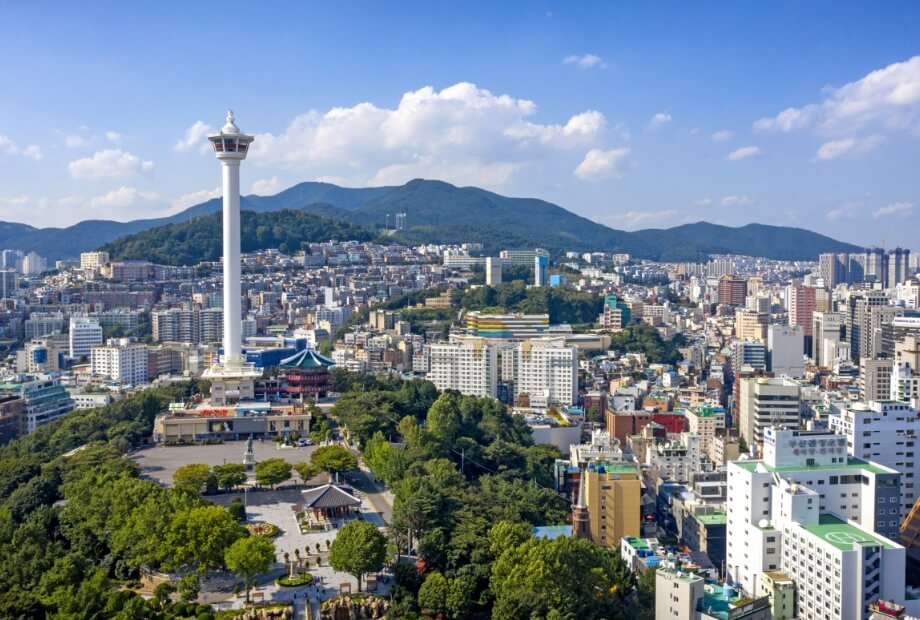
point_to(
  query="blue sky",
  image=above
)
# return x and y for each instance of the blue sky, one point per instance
(631, 114)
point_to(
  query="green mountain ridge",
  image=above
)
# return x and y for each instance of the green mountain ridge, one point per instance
(438, 212)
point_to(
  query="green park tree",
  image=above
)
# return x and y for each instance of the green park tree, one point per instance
(306, 471)
(195, 477)
(273, 471)
(188, 587)
(333, 459)
(358, 549)
(229, 475)
(432, 596)
(200, 536)
(587, 581)
(248, 557)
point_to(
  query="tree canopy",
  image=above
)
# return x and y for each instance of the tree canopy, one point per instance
(248, 557)
(358, 549)
(333, 459)
(189, 243)
(273, 471)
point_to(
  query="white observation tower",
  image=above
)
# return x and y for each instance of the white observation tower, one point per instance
(232, 379)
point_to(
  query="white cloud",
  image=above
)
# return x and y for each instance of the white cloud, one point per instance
(193, 198)
(113, 137)
(601, 164)
(634, 219)
(702, 202)
(266, 187)
(660, 119)
(32, 151)
(194, 136)
(737, 201)
(69, 202)
(743, 153)
(109, 164)
(884, 101)
(847, 210)
(847, 146)
(788, 120)
(587, 61)
(122, 197)
(723, 136)
(461, 134)
(903, 209)
(9, 147)
(17, 201)
(76, 141)
(579, 129)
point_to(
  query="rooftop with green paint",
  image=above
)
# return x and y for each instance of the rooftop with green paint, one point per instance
(715, 518)
(851, 464)
(843, 535)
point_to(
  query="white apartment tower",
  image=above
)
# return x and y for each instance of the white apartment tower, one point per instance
(786, 349)
(85, 333)
(468, 365)
(547, 371)
(123, 363)
(90, 261)
(884, 432)
(493, 271)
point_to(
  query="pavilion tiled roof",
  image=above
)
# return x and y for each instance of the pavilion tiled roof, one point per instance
(307, 359)
(329, 496)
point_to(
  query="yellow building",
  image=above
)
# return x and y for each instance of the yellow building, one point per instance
(612, 494)
(781, 590)
(751, 325)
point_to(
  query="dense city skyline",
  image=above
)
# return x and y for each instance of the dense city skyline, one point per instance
(809, 119)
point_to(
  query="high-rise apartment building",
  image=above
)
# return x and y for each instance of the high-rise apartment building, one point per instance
(9, 283)
(802, 303)
(468, 365)
(785, 345)
(832, 268)
(764, 403)
(493, 271)
(612, 493)
(546, 370)
(875, 378)
(732, 290)
(541, 271)
(884, 432)
(825, 326)
(750, 325)
(123, 363)
(857, 307)
(93, 260)
(186, 325)
(85, 333)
